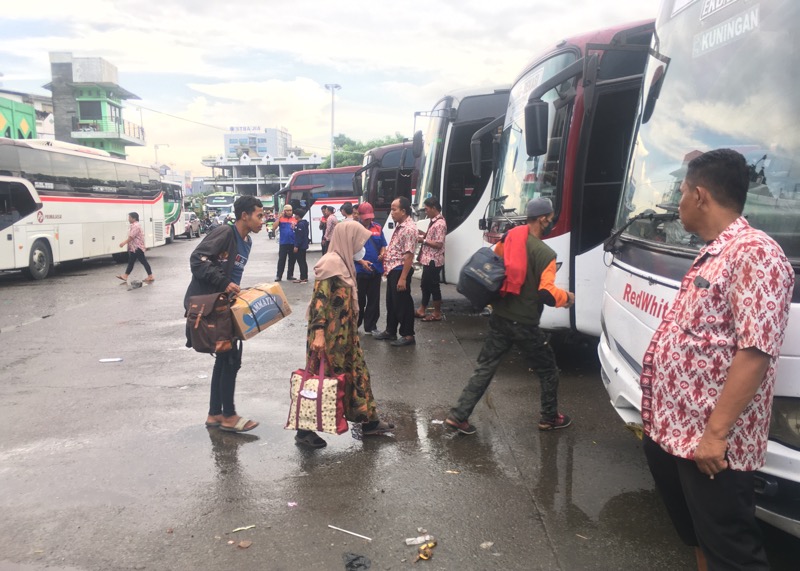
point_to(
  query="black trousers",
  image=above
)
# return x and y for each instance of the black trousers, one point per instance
(369, 300)
(284, 251)
(717, 515)
(399, 305)
(300, 258)
(325, 245)
(223, 381)
(430, 283)
(137, 255)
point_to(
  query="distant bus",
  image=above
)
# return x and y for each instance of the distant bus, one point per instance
(61, 202)
(387, 173)
(313, 189)
(221, 203)
(173, 209)
(447, 174)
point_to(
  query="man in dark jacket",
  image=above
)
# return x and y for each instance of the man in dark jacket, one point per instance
(285, 243)
(217, 265)
(300, 246)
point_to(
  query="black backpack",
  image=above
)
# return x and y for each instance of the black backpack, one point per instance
(482, 277)
(209, 323)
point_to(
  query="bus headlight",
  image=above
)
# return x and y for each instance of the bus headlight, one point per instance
(784, 427)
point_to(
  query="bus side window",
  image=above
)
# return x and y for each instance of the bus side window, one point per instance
(35, 165)
(128, 176)
(16, 202)
(102, 173)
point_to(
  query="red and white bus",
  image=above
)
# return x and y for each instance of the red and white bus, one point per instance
(566, 136)
(446, 172)
(313, 189)
(389, 172)
(721, 74)
(61, 202)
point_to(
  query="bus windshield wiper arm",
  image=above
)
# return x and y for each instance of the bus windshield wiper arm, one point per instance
(611, 242)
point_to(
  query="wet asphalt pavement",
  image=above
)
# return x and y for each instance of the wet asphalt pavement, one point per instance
(108, 466)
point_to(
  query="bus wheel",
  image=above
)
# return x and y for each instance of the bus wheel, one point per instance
(40, 260)
(120, 257)
(171, 238)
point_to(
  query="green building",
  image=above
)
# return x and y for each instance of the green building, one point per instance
(17, 120)
(88, 103)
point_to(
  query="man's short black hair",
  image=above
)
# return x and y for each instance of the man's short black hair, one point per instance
(432, 202)
(299, 212)
(724, 172)
(134, 215)
(246, 205)
(404, 204)
(347, 208)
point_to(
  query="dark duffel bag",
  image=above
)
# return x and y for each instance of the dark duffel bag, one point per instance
(209, 323)
(482, 277)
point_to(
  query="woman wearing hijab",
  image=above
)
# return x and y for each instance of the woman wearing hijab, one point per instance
(333, 331)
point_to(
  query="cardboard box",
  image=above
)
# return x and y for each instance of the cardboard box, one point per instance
(258, 307)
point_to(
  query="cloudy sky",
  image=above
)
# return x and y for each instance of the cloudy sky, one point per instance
(214, 64)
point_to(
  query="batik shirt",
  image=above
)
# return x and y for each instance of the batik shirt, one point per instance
(735, 296)
(404, 241)
(137, 238)
(437, 232)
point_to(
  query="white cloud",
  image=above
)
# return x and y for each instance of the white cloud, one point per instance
(267, 62)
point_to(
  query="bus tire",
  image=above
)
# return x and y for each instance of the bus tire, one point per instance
(40, 260)
(120, 257)
(171, 238)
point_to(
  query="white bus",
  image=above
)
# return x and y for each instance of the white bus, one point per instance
(720, 74)
(446, 170)
(61, 202)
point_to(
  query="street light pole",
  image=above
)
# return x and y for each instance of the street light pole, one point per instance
(332, 87)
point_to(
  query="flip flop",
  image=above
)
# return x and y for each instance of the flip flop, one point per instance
(431, 317)
(419, 316)
(382, 428)
(148, 280)
(121, 278)
(212, 424)
(240, 426)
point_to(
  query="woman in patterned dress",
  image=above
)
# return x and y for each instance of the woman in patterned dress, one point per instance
(333, 331)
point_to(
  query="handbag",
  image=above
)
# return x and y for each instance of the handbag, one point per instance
(482, 277)
(209, 323)
(317, 402)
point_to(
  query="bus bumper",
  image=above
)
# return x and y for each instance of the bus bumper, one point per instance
(777, 483)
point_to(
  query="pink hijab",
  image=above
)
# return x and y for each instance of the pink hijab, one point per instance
(347, 239)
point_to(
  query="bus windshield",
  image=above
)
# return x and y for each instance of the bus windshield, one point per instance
(324, 185)
(520, 177)
(433, 151)
(711, 63)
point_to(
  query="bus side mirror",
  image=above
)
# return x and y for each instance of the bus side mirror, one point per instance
(416, 145)
(482, 224)
(536, 127)
(475, 155)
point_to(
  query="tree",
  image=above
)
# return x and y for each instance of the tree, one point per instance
(349, 152)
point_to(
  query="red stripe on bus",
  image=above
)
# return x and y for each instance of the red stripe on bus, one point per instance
(98, 200)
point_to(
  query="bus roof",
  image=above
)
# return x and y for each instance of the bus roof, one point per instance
(604, 36)
(68, 149)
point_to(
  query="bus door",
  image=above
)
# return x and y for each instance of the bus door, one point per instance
(606, 137)
(18, 201)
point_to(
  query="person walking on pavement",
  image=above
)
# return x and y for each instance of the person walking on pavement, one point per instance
(300, 246)
(398, 269)
(285, 243)
(333, 332)
(330, 224)
(709, 371)
(431, 256)
(369, 270)
(136, 249)
(530, 282)
(217, 265)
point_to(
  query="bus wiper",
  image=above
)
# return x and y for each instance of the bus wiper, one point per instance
(612, 244)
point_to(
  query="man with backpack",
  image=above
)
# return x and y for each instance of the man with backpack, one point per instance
(529, 285)
(217, 265)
